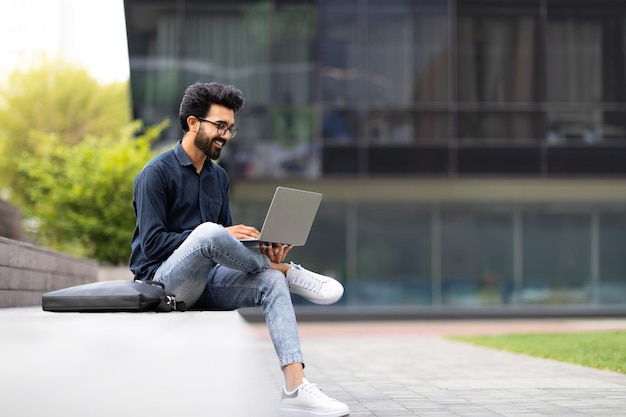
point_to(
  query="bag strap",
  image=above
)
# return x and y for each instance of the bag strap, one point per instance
(168, 303)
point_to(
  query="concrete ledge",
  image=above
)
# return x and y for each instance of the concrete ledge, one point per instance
(27, 271)
(129, 364)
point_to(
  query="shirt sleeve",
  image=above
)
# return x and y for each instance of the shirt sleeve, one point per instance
(225, 218)
(150, 204)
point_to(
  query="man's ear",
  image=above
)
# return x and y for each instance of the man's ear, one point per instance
(193, 123)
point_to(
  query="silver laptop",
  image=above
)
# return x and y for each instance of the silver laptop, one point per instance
(289, 218)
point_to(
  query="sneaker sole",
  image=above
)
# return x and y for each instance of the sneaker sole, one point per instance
(299, 412)
(322, 301)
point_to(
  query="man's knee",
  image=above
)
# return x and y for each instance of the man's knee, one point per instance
(207, 233)
(209, 229)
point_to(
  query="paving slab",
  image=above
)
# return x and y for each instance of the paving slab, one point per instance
(392, 369)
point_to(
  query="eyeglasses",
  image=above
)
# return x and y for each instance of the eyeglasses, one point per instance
(221, 127)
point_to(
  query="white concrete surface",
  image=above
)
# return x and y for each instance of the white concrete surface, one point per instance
(125, 364)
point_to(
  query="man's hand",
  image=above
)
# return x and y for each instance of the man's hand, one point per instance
(275, 251)
(241, 231)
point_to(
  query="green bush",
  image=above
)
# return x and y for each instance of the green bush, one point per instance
(53, 97)
(81, 196)
(68, 157)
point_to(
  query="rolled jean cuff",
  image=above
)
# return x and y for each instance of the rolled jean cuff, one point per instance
(288, 360)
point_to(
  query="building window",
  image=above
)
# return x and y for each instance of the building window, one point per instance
(373, 88)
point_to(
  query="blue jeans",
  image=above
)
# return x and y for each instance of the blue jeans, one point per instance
(213, 270)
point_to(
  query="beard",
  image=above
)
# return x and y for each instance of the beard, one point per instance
(206, 145)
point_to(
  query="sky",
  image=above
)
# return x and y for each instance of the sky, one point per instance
(89, 33)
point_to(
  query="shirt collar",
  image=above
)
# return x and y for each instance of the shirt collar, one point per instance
(184, 160)
(181, 155)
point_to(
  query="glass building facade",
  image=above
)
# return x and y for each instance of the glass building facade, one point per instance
(471, 152)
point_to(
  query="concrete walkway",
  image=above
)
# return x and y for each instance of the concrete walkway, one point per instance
(216, 364)
(408, 369)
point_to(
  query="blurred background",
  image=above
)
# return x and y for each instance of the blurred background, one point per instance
(471, 153)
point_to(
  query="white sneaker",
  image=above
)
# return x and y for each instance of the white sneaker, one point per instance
(318, 289)
(309, 401)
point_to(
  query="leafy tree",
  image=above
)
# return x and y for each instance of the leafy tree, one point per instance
(82, 195)
(68, 156)
(57, 98)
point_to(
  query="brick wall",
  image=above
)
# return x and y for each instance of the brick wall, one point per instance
(27, 271)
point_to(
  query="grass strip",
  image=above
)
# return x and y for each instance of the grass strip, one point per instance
(600, 350)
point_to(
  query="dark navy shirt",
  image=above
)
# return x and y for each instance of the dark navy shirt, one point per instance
(170, 200)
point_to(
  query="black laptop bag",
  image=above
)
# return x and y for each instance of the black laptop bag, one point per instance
(112, 296)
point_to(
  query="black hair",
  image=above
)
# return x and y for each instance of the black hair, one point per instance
(199, 96)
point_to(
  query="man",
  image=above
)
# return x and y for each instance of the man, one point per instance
(184, 238)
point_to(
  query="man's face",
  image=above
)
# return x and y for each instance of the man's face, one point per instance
(212, 136)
